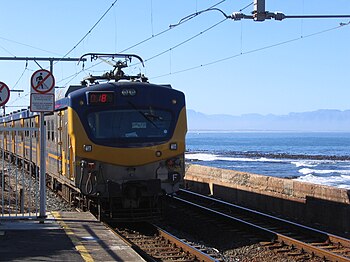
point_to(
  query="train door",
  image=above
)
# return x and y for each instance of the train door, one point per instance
(70, 159)
(59, 141)
(64, 139)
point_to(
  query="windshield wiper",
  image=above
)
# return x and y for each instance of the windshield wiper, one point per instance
(146, 115)
(150, 116)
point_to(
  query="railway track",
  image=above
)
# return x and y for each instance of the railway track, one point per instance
(286, 237)
(155, 244)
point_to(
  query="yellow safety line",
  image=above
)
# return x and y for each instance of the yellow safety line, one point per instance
(78, 245)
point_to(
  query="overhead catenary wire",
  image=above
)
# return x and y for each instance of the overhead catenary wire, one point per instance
(185, 41)
(89, 32)
(253, 51)
(162, 32)
(76, 45)
(169, 50)
(33, 47)
(212, 8)
(80, 41)
(7, 51)
(71, 77)
(187, 18)
(25, 69)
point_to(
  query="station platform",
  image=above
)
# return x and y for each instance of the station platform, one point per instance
(64, 236)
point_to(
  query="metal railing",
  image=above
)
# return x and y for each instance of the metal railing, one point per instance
(19, 185)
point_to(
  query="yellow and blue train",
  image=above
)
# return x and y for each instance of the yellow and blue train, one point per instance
(116, 146)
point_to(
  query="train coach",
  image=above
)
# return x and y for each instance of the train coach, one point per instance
(116, 146)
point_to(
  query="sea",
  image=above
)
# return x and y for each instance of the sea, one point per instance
(315, 157)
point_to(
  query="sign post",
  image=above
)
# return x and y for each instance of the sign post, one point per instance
(42, 99)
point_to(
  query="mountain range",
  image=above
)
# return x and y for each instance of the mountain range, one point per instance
(322, 120)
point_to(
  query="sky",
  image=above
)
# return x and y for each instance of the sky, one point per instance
(223, 66)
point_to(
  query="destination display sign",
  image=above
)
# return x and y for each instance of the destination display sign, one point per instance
(100, 98)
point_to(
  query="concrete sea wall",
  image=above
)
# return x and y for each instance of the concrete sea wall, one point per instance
(310, 204)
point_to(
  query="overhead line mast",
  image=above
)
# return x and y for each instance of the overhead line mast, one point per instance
(260, 14)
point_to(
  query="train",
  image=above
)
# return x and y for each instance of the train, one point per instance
(115, 143)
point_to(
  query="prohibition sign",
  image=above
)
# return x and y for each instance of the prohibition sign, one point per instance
(42, 81)
(4, 93)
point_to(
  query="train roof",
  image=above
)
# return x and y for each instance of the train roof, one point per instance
(77, 90)
(74, 88)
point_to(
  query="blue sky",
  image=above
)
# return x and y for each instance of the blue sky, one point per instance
(276, 67)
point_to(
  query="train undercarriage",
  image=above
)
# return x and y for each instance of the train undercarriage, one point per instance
(132, 201)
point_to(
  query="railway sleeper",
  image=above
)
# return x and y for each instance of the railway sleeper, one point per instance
(276, 246)
(283, 250)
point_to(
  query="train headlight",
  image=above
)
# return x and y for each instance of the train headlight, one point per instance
(173, 146)
(158, 153)
(87, 148)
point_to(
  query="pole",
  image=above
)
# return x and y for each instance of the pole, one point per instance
(42, 184)
(42, 174)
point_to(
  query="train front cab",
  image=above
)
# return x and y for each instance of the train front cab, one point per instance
(129, 153)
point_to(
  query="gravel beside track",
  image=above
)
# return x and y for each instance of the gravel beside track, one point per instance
(30, 186)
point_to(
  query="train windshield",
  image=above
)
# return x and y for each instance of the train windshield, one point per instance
(130, 124)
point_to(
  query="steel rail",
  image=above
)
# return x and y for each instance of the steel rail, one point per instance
(311, 249)
(277, 236)
(201, 256)
(331, 237)
(178, 243)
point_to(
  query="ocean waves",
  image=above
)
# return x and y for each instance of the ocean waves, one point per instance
(334, 180)
(321, 158)
(297, 160)
(328, 170)
(214, 157)
(307, 171)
